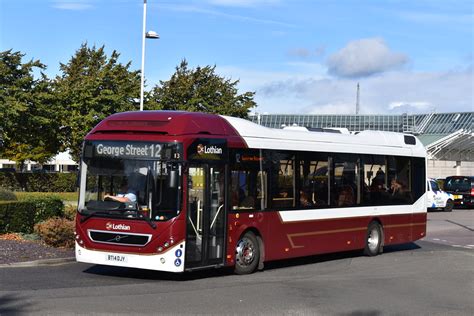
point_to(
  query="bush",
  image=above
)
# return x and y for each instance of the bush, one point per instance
(70, 212)
(57, 232)
(47, 207)
(39, 182)
(64, 196)
(17, 216)
(7, 195)
(20, 216)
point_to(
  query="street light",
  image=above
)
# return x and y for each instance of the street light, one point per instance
(145, 35)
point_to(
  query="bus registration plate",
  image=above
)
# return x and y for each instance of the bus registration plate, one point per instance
(116, 258)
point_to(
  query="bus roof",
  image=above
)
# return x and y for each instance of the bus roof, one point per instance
(173, 123)
(177, 123)
(370, 142)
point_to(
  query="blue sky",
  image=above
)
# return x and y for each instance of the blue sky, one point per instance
(301, 56)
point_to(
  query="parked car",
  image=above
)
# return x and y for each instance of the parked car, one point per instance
(462, 189)
(438, 199)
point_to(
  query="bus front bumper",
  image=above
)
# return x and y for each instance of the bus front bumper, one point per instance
(171, 260)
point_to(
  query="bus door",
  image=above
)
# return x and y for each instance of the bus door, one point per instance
(205, 216)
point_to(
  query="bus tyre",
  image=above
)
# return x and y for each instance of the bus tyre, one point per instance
(449, 206)
(373, 243)
(247, 254)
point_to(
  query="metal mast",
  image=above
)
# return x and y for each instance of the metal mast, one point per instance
(357, 99)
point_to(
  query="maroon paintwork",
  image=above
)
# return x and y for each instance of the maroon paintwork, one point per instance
(280, 240)
(296, 239)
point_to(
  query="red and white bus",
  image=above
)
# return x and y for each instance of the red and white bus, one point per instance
(212, 191)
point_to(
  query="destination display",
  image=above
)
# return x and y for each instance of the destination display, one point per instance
(131, 149)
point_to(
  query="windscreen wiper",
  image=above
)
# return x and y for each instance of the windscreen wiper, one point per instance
(148, 220)
(98, 214)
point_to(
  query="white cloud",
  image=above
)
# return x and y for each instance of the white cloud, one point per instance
(388, 93)
(302, 52)
(420, 105)
(199, 9)
(364, 57)
(74, 5)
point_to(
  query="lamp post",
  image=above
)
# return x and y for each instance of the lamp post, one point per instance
(145, 35)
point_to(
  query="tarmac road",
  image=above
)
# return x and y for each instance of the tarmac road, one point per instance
(427, 277)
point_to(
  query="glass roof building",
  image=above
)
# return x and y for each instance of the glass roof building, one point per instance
(446, 136)
(435, 125)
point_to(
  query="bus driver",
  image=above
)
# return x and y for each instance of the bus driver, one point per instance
(124, 195)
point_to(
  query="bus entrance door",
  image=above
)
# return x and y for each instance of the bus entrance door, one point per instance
(205, 216)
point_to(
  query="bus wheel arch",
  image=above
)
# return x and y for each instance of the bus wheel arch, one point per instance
(249, 252)
(374, 238)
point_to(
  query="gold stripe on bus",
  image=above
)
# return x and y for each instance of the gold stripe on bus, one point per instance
(315, 233)
(290, 236)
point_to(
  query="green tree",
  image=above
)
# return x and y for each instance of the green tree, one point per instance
(29, 120)
(200, 90)
(91, 87)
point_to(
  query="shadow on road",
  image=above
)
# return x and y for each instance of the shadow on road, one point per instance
(133, 273)
(333, 257)
(11, 304)
(156, 275)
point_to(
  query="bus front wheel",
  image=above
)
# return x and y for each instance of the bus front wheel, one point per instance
(374, 239)
(247, 254)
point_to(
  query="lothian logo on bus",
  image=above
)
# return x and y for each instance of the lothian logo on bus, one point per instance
(110, 226)
(202, 149)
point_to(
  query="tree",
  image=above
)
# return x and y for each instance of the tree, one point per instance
(200, 90)
(29, 111)
(91, 87)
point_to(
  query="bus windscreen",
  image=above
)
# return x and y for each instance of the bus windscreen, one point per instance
(121, 179)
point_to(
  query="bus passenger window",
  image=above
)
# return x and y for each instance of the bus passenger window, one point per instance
(346, 188)
(313, 179)
(399, 175)
(375, 180)
(283, 182)
(248, 180)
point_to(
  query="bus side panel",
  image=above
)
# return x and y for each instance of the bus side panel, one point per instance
(302, 238)
(284, 240)
(419, 226)
(397, 228)
(239, 223)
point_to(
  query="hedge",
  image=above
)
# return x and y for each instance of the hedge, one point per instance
(38, 182)
(64, 196)
(21, 216)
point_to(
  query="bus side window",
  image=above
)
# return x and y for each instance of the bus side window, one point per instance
(375, 180)
(313, 179)
(346, 187)
(283, 180)
(247, 189)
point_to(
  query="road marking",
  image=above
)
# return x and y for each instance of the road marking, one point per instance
(463, 226)
(436, 239)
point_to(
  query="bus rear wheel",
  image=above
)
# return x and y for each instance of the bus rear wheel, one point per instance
(247, 254)
(374, 237)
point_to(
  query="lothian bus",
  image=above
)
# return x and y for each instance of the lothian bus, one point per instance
(205, 190)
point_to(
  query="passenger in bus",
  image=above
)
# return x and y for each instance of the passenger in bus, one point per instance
(399, 192)
(346, 196)
(248, 202)
(304, 200)
(125, 194)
